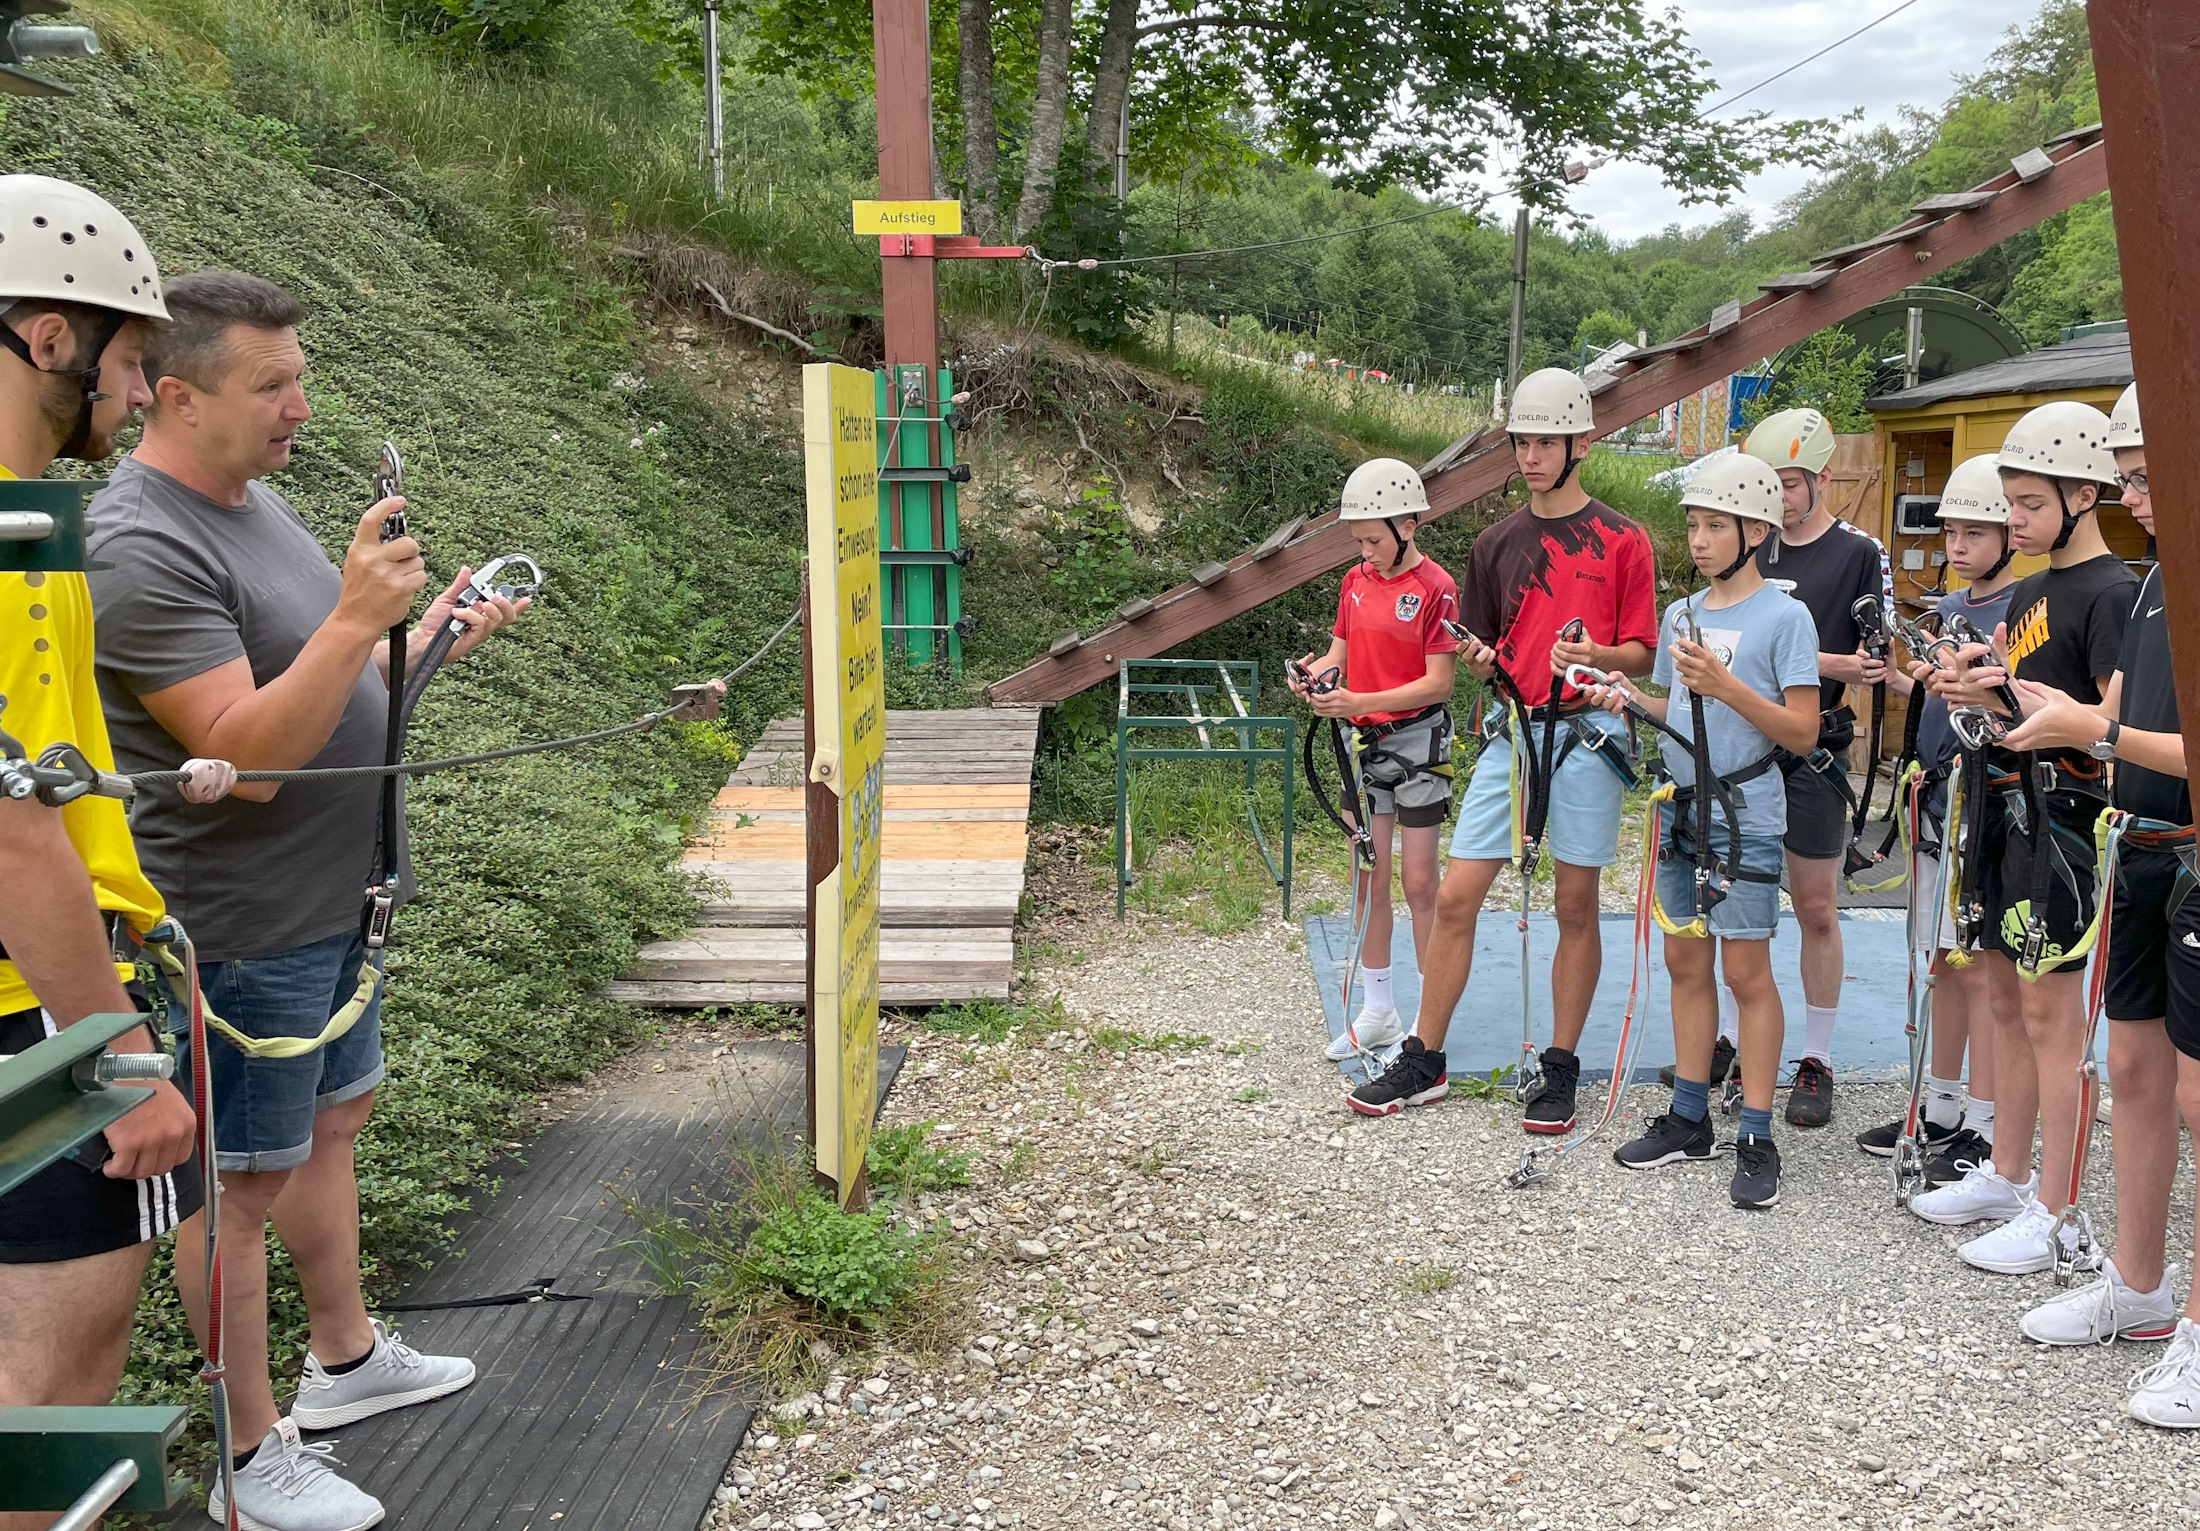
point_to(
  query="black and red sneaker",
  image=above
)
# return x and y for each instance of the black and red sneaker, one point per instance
(1552, 1110)
(1415, 1078)
(1810, 1095)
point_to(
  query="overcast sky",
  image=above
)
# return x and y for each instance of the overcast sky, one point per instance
(1912, 60)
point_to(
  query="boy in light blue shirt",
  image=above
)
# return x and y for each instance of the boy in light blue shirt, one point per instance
(1741, 659)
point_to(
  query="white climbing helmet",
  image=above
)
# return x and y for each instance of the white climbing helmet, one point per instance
(1736, 486)
(1973, 493)
(61, 241)
(2064, 439)
(1380, 488)
(1552, 402)
(1793, 438)
(2123, 422)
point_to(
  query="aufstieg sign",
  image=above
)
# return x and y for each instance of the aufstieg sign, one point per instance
(848, 758)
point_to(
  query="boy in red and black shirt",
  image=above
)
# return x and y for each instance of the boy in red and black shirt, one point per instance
(1561, 559)
(1397, 673)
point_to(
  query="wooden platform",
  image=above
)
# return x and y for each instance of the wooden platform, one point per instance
(958, 799)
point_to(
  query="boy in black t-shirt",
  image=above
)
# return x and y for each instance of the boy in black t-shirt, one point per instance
(2153, 995)
(2065, 633)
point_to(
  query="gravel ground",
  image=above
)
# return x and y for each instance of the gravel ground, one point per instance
(1206, 1296)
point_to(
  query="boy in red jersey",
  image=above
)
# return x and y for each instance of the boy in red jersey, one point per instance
(1396, 666)
(1563, 558)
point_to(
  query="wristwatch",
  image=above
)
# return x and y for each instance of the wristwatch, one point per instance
(2104, 748)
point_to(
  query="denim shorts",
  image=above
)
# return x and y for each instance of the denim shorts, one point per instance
(1750, 910)
(1582, 826)
(264, 1107)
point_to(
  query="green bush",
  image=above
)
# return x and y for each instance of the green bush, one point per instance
(901, 1161)
(853, 1267)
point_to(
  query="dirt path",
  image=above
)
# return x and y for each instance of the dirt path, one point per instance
(1209, 1297)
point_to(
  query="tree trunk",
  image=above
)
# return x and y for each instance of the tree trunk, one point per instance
(1111, 82)
(981, 143)
(1049, 117)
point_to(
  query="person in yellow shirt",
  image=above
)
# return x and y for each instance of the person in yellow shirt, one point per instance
(78, 293)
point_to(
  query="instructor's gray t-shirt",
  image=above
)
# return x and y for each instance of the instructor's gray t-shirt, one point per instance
(195, 584)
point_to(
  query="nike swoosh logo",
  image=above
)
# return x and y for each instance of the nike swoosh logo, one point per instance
(2157, 611)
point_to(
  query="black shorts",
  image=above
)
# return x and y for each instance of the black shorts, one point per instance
(2009, 873)
(2153, 955)
(66, 1211)
(1818, 815)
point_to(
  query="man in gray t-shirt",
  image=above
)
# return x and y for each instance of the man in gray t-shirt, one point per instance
(223, 629)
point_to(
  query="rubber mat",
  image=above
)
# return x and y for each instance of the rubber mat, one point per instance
(603, 1411)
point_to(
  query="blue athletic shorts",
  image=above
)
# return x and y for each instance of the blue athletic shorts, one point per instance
(264, 1107)
(1582, 827)
(1750, 910)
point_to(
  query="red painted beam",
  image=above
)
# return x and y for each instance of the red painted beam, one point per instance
(2146, 54)
(1475, 466)
(901, 66)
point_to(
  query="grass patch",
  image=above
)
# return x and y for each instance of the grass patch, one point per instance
(1251, 1095)
(1022, 1160)
(1496, 1085)
(1429, 1279)
(902, 1161)
(989, 1021)
(1115, 1039)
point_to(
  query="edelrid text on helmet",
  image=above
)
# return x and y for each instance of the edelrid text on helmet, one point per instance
(1793, 438)
(1551, 402)
(1973, 493)
(2062, 440)
(2123, 422)
(1380, 488)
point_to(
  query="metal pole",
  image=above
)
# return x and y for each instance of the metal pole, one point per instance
(2144, 52)
(88, 1511)
(1520, 300)
(1913, 348)
(1123, 153)
(714, 105)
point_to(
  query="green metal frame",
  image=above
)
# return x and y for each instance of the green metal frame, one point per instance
(1223, 678)
(61, 501)
(64, 1458)
(923, 577)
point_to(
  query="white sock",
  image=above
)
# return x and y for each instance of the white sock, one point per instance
(1730, 1016)
(1818, 1032)
(1979, 1117)
(1943, 1101)
(1377, 990)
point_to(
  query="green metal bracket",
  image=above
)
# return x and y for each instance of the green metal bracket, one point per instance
(42, 524)
(919, 535)
(1231, 682)
(50, 1457)
(49, 1103)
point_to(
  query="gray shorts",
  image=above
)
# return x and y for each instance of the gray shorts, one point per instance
(1407, 772)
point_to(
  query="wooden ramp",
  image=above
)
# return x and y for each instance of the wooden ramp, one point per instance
(958, 798)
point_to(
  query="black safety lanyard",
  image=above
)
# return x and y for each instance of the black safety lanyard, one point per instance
(382, 878)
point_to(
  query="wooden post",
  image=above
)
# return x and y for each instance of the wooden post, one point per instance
(821, 843)
(901, 65)
(2146, 54)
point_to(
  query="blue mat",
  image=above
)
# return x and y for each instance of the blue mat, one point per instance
(1485, 1028)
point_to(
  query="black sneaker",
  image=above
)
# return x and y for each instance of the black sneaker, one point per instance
(1810, 1094)
(1722, 1064)
(1669, 1139)
(1963, 1150)
(1415, 1078)
(1756, 1173)
(1552, 1110)
(1879, 1142)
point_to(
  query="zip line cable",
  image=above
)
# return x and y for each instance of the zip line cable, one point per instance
(1799, 63)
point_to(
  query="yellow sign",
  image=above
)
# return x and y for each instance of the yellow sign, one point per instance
(840, 455)
(909, 218)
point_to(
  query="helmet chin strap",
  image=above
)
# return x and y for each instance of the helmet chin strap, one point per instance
(1740, 558)
(2008, 551)
(86, 378)
(1564, 473)
(1397, 538)
(2069, 521)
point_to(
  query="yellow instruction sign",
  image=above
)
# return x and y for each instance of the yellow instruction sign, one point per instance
(909, 218)
(840, 456)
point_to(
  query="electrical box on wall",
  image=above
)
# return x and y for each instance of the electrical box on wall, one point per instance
(1917, 515)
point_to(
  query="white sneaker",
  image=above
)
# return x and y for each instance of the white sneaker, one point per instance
(2105, 1311)
(393, 1376)
(1376, 1030)
(290, 1486)
(2023, 1245)
(2168, 1392)
(1981, 1196)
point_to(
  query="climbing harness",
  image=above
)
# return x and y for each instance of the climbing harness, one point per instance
(1916, 637)
(1713, 877)
(1357, 828)
(1870, 618)
(1908, 1164)
(2109, 832)
(2051, 860)
(1537, 1164)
